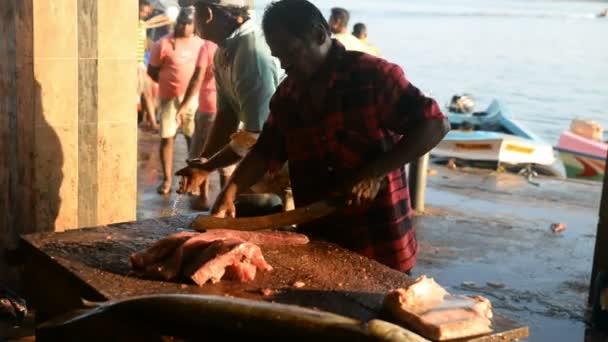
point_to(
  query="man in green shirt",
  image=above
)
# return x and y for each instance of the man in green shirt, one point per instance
(246, 77)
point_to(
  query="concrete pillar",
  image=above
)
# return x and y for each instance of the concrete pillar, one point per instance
(600, 258)
(417, 182)
(68, 128)
(251, 5)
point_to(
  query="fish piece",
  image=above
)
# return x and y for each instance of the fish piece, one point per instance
(211, 264)
(167, 245)
(242, 271)
(159, 250)
(431, 311)
(166, 258)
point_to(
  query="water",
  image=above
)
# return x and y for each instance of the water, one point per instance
(176, 201)
(546, 60)
(174, 209)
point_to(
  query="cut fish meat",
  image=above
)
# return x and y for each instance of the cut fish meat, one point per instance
(427, 308)
(243, 258)
(210, 256)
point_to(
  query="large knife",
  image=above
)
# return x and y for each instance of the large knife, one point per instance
(300, 215)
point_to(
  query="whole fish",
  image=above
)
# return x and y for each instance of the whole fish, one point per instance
(196, 317)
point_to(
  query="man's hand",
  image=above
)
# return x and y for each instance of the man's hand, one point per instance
(179, 117)
(364, 192)
(192, 179)
(223, 207)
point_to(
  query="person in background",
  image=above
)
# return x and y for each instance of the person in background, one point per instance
(203, 79)
(338, 23)
(172, 63)
(162, 19)
(360, 32)
(144, 83)
(246, 76)
(345, 122)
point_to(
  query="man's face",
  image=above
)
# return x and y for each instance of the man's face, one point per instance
(300, 57)
(205, 28)
(184, 29)
(335, 25)
(144, 11)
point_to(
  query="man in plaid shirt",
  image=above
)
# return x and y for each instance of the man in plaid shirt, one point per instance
(345, 122)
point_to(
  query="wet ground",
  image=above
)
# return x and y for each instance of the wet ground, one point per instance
(150, 203)
(484, 233)
(489, 234)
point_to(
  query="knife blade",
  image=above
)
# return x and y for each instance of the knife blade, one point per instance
(300, 215)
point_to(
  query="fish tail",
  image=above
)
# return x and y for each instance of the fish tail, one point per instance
(89, 304)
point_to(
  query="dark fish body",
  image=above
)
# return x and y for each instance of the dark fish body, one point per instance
(198, 317)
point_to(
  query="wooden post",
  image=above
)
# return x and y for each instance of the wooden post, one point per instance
(418, 171)
(600, 257)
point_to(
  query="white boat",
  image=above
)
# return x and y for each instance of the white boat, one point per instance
(493, 137)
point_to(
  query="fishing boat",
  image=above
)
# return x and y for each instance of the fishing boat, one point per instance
(582, 150)
(494, 138)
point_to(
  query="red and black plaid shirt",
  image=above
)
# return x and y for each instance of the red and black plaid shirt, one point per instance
(368, 105)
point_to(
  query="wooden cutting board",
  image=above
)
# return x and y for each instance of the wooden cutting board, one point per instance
(92, 263)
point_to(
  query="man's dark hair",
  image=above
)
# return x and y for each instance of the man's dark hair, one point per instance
(231, 11)
(341, 15)
(144, 3)
(298, 17)
(359, 30)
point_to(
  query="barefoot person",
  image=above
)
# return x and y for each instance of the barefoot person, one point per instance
(172, 63)
(344, 122)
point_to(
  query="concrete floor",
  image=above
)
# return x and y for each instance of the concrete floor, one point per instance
(484, 233)
(489, 234)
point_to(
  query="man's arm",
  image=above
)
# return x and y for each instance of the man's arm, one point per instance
(268, 153)
(418, 140)
(193, 87)
(225, 124)
(216, 150)
(153, 72)
(254, 87)
(155, 61)
(251, 169)
(404, 111)
(168, 17)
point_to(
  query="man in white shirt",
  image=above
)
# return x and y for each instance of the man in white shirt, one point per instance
(338, 23)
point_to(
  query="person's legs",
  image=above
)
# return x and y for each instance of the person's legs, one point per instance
(203, 123)
(188, 126)
(149, 110)
(144, 89)
(166, 157)
(168, 130)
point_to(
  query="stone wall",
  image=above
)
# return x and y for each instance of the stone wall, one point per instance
(68, 124)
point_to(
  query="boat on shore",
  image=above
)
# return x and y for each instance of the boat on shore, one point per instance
(491, 137)
(582, 150)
